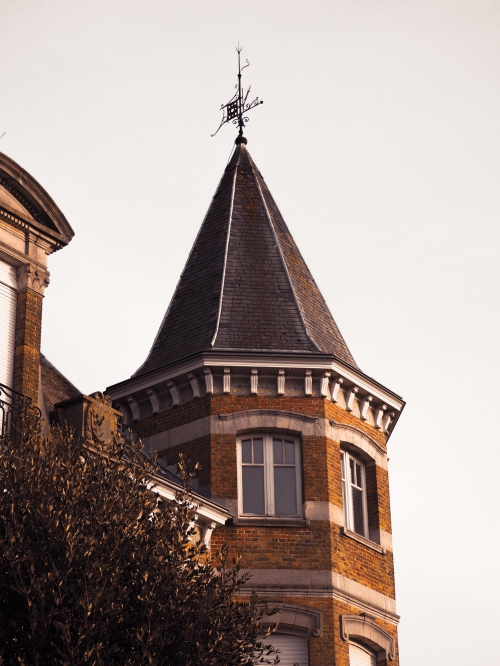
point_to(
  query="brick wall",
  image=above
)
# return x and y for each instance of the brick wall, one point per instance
(320, 545)
(27, 343)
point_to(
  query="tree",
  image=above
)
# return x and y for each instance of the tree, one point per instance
(96, 569)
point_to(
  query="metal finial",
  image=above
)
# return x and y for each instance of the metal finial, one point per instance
(237, 107)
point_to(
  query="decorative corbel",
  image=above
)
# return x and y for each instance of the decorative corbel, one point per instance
(226, 380)
(254, 381)
(308, 383)
(134, 407)
(325, 381)
(281, 382)
(206, 533)
(124, 411)
(154, 399)
(364, 407)
(336, 388)
(195, 386)
(379, 415)
(351, 394)
(387, 421)
(209, 380)
(29, 277)
(174, 392)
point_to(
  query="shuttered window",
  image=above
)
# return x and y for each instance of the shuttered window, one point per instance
(293, 649)
(8, 301)
(361, 656)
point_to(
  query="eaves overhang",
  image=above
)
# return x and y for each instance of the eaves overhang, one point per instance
(207, 511)
(48, 219)
(239, 359)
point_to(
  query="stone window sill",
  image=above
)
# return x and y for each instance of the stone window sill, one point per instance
(270, 521)
(363, 540)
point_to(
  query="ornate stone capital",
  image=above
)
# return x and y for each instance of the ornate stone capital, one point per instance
(31, 277)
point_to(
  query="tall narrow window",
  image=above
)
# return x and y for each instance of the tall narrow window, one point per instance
(354, 493)
(269, 476)
(8, 301)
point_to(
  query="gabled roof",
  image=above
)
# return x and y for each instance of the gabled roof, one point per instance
(55, 386)
(245, 285)
(24, 201)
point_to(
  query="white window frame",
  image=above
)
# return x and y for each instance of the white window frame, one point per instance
(269, 501)
(347, 493)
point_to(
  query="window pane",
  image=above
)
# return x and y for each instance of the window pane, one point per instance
(351, 465)
(278, 451)
(258, 455)
(359, 481)
(246, 451)
(253, 490)
(344, 502)
(290, 453)
(285, 495)
(357, 510)
(342, 465)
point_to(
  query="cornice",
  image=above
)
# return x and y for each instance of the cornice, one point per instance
(268, 361)
(17, 180)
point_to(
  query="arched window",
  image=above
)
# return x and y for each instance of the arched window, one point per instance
(354, 494)
(293, 649)
(360, 655)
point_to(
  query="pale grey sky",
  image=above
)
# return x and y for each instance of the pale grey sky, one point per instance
(379, 139)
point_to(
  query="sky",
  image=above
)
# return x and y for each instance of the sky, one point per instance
(379, 140)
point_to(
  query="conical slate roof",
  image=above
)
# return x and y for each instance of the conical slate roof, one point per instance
(245, 285)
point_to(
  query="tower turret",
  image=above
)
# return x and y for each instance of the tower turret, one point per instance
(250, 375)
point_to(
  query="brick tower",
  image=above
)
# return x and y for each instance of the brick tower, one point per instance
(250, 375)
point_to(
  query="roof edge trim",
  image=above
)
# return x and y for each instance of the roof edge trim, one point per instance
(25, 180)
(228, 237)
(284, 262)
(177, 286)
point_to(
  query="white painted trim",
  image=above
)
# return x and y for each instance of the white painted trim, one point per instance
(278, 246)
(228, 237)
(308, 383)
(134, 406)
(293, 362)
(193, 380)
(268, 465)
(254, 381)
(226, 380)
(174, 392)
(155, 400)
(209, 380)
(281, 382)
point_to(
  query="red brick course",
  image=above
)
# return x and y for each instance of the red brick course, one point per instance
(27, 343)
(318, 545)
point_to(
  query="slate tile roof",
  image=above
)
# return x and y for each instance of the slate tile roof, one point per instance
(245, 285)
(55, 386)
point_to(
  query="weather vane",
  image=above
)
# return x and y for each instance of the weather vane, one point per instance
(238, 106)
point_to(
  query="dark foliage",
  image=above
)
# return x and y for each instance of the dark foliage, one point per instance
(96, 569)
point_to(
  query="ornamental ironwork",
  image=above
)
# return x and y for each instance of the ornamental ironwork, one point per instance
(238, 106)
(15, 411)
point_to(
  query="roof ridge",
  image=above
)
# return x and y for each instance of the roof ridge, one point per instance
(165, 316)
(280, 251)
(228, 236)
